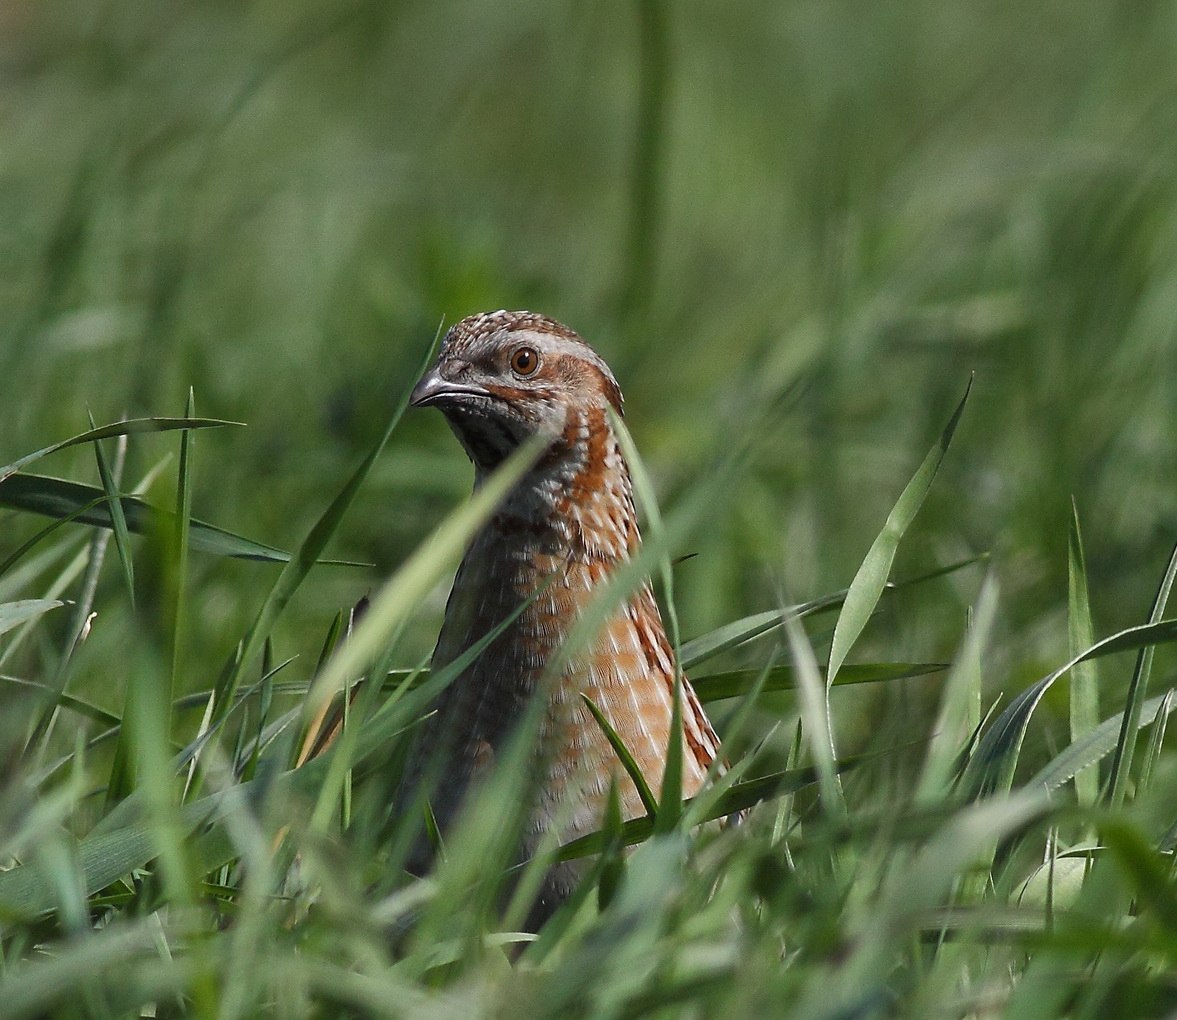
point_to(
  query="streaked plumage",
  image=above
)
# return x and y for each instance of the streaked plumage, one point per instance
(499, 378)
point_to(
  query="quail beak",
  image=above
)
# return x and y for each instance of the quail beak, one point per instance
(430, 386)
(435, 390)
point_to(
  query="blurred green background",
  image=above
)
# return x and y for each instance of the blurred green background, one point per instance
(794, 229)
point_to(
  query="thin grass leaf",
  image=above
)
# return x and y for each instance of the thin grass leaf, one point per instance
(67, 701)
(24, 576)
(346, 795)
(731, 635)
(149, 753)
(739, 798)
(720, 776)
(1085, 675)
(25, 547)
(958, 702)
(55, 588)
(317, 731)
(1156, 741)
(624, 755)
(736, 683)
(203, 730)
(340, 740)
(863, 594)
(118, 520)
(991, 767)
(265, 703)
(612, 859)
(815, 716)
(179, 551)
(1137, 689)
(736, 633)
(331, 639)
(1097, 744)
(86, 504)
(670, 808)
(129, 427)
(784, 812)
(122, 769)
(13, 614)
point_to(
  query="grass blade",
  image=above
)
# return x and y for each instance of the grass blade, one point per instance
(29, 544)
(67, 701)
(863, 594)
(87, 504)
(1096, 744)
(119, 428)
(815, 718)
(991, 767)
(736, 683)
(733, 634)
(670, 808)
(1156, 742)
(1085, 675)
(179, 549)
(959, 703)
(627, 759)
(739, 798)
(13, 614)
(1137, 688)
(736, 633)
(118, 521)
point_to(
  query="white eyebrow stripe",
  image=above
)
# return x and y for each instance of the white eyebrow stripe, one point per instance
(559, 345)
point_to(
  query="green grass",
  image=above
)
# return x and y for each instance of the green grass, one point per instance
(233, 877)
(795, 231)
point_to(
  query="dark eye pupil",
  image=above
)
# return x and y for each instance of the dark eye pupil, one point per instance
(524, 361)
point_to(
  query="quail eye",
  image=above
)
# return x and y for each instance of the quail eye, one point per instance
(524, 361)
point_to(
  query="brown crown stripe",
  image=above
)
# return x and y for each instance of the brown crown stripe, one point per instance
(478, 326)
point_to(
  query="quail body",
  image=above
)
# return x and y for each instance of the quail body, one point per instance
(500, 378)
